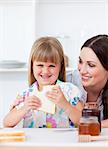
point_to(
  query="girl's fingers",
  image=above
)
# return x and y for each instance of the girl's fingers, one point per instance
(56, 87)
(34, 105)
(51, 96)
(34, 99)
(55, 91)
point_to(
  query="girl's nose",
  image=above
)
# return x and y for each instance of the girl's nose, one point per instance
(45, 70)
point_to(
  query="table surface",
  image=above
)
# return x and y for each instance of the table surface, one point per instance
(44, 138)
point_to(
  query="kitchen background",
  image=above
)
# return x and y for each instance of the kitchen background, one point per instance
(23, 21)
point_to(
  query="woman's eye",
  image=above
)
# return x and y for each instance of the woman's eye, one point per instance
(80, 61)
(91, 65)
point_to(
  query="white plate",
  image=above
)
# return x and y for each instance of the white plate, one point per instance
(11, 64)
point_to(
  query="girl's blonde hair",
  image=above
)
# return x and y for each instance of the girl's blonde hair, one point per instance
(47, 49)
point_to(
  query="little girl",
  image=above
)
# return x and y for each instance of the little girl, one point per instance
(46, 67)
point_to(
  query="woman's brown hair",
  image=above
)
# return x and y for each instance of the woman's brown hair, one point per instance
(47, 49)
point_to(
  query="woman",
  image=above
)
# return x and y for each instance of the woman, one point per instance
(93, 69)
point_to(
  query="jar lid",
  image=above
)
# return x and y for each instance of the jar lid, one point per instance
(89, 119)
(91, 105)
(90, 112)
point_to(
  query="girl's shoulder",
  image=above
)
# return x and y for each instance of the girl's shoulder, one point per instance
(28, 90)
(66, 85)
(74, 90)
(70, 91)
(20, 98)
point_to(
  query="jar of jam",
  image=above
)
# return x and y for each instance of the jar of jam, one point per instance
(92, 112)
(89, 126)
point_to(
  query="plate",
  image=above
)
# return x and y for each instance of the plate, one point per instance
(8, 64)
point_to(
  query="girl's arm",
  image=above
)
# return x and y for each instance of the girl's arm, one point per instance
(73, 112)
(13, 117)
(104, 123)
(16, 115)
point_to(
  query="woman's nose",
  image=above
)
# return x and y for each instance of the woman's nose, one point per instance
(83, 69)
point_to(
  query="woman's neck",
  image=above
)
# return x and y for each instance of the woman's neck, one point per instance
(92, 96)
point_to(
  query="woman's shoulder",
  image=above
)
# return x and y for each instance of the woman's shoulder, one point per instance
(76, 79)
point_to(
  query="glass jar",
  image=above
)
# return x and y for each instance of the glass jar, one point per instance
(92, 112)
(89, 125)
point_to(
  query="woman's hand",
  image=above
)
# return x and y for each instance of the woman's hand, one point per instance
(56, 95)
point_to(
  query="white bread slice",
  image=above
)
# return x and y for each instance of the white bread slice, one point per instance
(47, 105)
(7, 132)
(12, 138)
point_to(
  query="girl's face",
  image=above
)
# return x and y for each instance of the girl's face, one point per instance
(93, 75)
(46, 73)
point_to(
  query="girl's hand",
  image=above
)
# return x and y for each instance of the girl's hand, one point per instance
(57, 96)
(31, 103)
(18, 100)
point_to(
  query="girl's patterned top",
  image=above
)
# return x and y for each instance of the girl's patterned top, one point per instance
(39, 119)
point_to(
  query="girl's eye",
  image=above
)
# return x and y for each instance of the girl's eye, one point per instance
(40, 65)
(52, 66)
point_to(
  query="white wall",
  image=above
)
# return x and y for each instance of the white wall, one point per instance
(17, 33)
(11, 83)
(17, 29)
(72, 20)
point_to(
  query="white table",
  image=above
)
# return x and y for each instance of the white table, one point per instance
(54, 139)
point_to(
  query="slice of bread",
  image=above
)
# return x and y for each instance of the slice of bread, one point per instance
(47, 105)
(5, 132)
(12, 138)
(11, 135)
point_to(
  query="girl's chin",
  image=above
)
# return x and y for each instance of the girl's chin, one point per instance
(46, 83)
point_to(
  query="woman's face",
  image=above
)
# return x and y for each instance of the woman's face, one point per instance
(93, 75)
